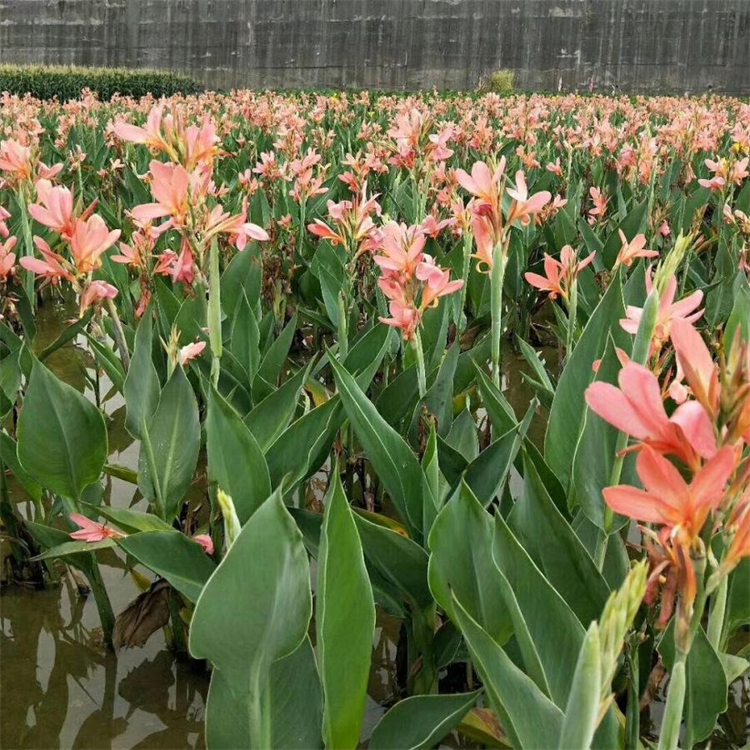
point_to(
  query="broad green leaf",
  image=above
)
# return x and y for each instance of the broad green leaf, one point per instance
(273, 361)
(738, 602)
(131, 521)
(582, 711)
(274, 413)
(235, 461)
(242, 276)
(173, 556)
(465, 571)
(169, 447)
(62, 440)
(73, 548)
(530, 719)
(739, 319)
(549, 539)
(141, 388)
(566, 415)
(9, 459)
(707, 687)
(393, 460)
(294, 706)
(266, 615)
(108, 361)
(303, 447)
(421, 721)
(556, 631)
(439, 396)
(487, 473)
(344, 621)
(244, 340)
(397, 559)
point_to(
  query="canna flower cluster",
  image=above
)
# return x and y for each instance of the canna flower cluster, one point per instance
(489, 225)
(410, 279)
(83, 239)
(696, 482)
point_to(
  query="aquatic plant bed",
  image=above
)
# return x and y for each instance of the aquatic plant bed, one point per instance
(402, 420)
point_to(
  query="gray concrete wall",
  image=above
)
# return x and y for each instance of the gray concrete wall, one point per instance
(634, 45)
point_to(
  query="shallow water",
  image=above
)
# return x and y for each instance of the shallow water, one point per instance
(59, 686)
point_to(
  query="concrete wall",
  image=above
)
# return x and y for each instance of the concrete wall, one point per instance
(635, 45)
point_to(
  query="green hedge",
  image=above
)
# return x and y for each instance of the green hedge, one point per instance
(47, 82)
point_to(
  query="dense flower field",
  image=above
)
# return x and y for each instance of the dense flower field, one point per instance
(307, 304)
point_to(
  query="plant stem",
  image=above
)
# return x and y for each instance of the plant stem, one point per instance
(718, 610)
(214, 312)
(633, 716)
(670, 728)
(572, 314)
(343, 331)
(28, 276)
(103, 605)
(496, 304)
(122, 345)
(461, 317)
(421, 372)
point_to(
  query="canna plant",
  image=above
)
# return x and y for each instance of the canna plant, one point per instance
(278, 289)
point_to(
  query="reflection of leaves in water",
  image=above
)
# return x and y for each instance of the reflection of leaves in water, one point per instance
(143, 617)
(147, 688)
(167, 739)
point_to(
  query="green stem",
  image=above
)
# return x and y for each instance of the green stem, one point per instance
(461, 317)
(103, 605)
(214, 312)
(496, 303)
(343, 331)
(572, 315)
(122, 345)
(633, 716)
(421, 372)
(718, 610)
(28, 243)
(670, 727)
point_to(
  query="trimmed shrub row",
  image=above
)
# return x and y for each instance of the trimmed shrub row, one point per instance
(48, 82)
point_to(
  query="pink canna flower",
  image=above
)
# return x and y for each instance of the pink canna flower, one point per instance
(190, 352)
(631, 251)
(150, 135)
(667, 499)
(482, 183)
(55, 209)
(182, 269)
(170, 188)
(4, 216)
(91, 531)
(524, 207)
(15, 158)
(668, 312)
(7, 259)
(636, 409)
(206, 542)
(90, 239)
(54, 267)
(438, 283)
(695, 362)
(402, 250)
(600, 205)
(560, 273)
(403, 316)
(432, 227)
(96, 291)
